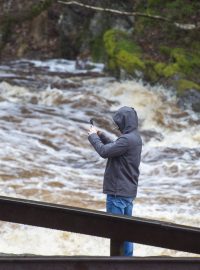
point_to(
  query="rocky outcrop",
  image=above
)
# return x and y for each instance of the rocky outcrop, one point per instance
(129, 46)
(27, 30)
(190, 96)
(47, 29)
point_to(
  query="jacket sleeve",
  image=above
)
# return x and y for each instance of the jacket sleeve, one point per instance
(114, 149)
(105, 139)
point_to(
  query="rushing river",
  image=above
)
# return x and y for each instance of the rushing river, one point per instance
(45, 155)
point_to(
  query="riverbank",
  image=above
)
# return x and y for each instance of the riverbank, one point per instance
(130, 46)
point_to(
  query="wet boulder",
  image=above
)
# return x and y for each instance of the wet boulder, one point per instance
(191, 97)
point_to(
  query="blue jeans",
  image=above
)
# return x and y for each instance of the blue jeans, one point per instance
(121, 206)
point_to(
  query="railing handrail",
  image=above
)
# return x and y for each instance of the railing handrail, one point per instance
(97, 223)
(97, 263)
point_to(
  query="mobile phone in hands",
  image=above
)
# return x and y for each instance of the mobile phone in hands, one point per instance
(92, 122)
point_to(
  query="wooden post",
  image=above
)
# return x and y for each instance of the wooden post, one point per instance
(116, 248)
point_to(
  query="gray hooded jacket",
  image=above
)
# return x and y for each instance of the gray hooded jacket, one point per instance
(124, 154)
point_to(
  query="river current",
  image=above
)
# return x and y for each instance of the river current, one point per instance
(45, 107)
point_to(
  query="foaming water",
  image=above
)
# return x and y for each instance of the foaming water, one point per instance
(45, 155)
(158, 110)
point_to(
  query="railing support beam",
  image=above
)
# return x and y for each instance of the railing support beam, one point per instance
(116, 247)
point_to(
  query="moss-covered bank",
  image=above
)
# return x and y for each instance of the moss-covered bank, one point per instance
(161, 52)
(124, 54)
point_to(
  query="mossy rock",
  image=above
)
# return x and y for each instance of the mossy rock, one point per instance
(165, 70)
(182, 59)
(116, 40)
(128, 61)
(122, 52)
(159, 67)
(156, 71)
(184, 85)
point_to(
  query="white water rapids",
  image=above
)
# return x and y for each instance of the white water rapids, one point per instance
(45, 155)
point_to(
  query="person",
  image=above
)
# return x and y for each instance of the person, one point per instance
(122, 168)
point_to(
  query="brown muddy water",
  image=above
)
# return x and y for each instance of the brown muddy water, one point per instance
(45, 107)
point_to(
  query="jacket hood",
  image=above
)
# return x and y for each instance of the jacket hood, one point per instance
(126, 119)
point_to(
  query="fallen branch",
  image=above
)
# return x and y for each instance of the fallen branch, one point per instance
(114, 11)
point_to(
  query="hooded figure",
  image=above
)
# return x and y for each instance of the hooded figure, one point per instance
(122, 168)
(124, 154)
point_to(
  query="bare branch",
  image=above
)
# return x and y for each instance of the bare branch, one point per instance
(187, 26)
(114, 11)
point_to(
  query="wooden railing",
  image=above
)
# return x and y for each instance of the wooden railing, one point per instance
(96, 223)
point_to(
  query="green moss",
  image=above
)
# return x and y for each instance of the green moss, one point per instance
(177, 51)
(122, 52)
(125, 54)
(180, 60)
(128, 61)
(110, 41)
(165, 70)
(126, 44)
(184, 85)
(159, 67)
(186, 60)
(171, 70)
(180, 57)
(115, 40)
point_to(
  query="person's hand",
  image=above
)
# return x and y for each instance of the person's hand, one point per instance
(92, 130)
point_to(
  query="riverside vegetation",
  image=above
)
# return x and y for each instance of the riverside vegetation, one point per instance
(154, 50)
